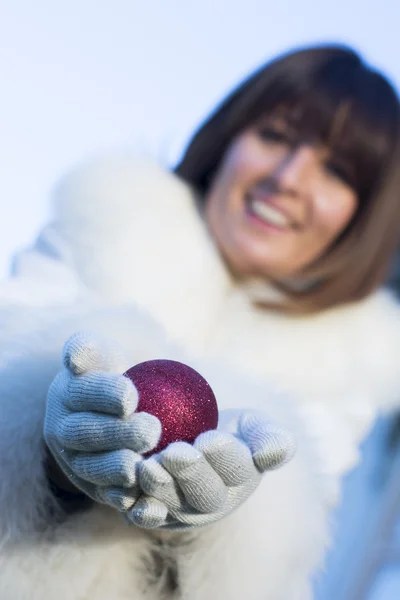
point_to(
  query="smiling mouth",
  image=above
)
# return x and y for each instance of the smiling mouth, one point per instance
(267, 213)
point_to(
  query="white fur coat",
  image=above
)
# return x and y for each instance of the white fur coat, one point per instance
(127, 254)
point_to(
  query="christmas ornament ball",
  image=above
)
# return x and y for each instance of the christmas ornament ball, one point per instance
(178, 396)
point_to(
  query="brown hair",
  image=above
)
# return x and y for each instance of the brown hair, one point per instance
(339, 100)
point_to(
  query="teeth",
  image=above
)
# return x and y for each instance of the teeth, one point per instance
(269, 213)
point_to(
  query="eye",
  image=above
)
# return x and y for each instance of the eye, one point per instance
(340, 171)
(275, 135)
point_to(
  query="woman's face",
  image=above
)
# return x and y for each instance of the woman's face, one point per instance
(275, 205)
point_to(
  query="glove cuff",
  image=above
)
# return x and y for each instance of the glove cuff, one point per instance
(71, 498)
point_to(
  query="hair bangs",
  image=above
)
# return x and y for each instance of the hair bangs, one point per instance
(347, 110)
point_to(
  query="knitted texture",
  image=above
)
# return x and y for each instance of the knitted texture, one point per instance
(91, 426)
(192, 486)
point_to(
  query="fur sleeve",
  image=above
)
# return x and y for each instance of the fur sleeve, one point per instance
(42, 274)
(28, 363)
(379, 343)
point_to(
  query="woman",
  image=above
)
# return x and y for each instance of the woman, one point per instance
(258, 262)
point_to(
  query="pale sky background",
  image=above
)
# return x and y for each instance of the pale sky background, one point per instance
(79, 77)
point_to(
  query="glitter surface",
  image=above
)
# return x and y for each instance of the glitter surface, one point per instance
(177, 395)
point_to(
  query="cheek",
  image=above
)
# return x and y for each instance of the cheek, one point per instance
(334, 211)
(244, 163)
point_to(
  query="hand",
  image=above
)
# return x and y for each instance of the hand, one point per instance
(191, 486)
(91, 426)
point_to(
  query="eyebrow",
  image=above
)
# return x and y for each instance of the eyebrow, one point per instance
(277, 119)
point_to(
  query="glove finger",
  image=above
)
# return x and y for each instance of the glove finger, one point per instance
(90, 432)
(120, 498)
(155, 481)
(148, 513)
(202, 487)
(271, 445)
(101, 392)
(228, 456)
(117, 468)
(85, 351)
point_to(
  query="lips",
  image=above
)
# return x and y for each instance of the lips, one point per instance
(263, 208)
(268, 213)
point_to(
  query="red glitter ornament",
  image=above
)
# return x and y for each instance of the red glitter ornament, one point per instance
(178, 396)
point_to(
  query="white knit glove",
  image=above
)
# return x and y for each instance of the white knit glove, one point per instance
(191, 486)
(90, 425)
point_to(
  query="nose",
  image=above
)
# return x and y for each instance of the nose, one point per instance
(294, 172)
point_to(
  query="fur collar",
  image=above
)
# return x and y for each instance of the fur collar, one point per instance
(137, 237)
